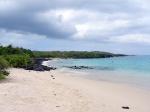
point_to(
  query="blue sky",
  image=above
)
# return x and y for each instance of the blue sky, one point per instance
(119, 26)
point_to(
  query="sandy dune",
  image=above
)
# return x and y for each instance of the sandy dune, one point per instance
(56, 91)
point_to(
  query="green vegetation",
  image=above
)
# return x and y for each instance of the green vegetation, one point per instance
(3, 66)
(13, 57)
(18, 61)
(16, 57)
(10, 50)
(74, 54)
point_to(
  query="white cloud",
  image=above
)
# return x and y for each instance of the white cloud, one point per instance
(18, 38)
(132, 38)
(7, 6)
(111, 21)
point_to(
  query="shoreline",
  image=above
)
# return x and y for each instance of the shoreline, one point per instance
(130, 77)
(58, 91)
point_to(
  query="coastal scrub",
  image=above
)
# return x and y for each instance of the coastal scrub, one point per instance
(3, 66)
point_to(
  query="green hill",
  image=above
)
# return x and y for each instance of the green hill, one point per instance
(74, 54)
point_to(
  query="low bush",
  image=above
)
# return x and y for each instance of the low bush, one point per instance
(18, 61)
(3, 66)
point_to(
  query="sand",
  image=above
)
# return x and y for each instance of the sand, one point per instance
(58, 91)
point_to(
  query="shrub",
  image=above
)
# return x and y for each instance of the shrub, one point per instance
(3, 66)
(18, 61)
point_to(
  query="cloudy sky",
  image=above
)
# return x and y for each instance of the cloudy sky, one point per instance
(119, 26)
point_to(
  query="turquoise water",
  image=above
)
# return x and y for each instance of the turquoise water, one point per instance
(128, 63)
(130, 69)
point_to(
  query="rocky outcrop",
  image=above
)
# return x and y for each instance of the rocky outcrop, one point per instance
(36, 65)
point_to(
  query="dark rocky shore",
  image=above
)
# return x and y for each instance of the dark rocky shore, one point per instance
(36, 65)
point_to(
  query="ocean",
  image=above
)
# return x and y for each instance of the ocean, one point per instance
(133, 70)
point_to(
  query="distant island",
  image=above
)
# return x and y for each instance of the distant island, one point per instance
(24, 58)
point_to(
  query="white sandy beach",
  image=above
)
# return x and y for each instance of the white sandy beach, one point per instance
(25, 91)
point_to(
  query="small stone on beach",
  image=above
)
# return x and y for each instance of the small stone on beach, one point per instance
(125, 107)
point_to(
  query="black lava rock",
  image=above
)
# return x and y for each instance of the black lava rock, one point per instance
(79, 67)
(36, 65)
(125, 107)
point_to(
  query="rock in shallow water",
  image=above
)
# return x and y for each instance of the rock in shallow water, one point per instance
(79, 67)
